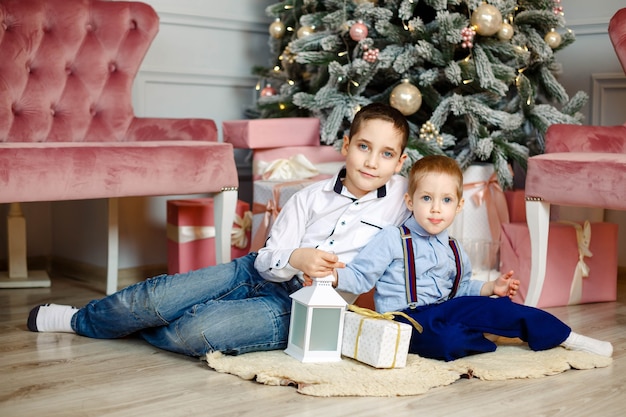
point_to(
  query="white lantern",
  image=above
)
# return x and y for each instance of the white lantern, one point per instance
(316, 326)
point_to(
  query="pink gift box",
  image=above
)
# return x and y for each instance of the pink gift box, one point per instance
(191, 233)
(562, 262)
(317, 155)
(516, 203)
(272, 133)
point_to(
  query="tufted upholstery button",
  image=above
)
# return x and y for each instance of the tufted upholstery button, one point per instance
(92, 112)
(89, 27)
(112, 67)
(4, 26)
(53, 112)
(68, 70)
(133, 24)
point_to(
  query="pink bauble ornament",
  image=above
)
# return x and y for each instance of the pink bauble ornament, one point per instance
(277, 29)
(358, 31)
(406, 98)
(487, 19)
(268, 91)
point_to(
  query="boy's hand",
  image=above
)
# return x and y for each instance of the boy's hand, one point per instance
(505, 285)
(314, 262)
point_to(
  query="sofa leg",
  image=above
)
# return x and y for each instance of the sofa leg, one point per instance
(225, 205)
(538, 220)
(112, 245)
(17, 275)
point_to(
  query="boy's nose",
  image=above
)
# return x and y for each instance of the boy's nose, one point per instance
(371, 162)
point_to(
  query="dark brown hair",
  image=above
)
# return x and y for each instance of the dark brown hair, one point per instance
(381, 111)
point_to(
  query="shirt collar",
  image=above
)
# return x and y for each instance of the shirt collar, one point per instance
(414, 226)
(338, 187)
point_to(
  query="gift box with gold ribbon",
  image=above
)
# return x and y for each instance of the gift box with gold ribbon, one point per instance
(581, 264)
(281, 172)
(191, 233)
(376, 339)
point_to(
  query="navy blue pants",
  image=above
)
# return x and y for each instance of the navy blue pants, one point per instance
(455, 328)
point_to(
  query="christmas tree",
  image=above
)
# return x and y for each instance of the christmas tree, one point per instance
(476, 80)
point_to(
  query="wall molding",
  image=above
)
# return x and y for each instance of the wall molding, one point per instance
(155, 76)
(239, 24)
(602, 83)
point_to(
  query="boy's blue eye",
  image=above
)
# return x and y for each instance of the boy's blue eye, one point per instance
(426, 198)
(447, 200)
(363, 146)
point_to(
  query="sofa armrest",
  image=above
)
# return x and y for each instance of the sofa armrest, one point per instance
(583, 138)
(144, 129)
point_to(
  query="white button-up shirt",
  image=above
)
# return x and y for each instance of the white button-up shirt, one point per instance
(326, 216)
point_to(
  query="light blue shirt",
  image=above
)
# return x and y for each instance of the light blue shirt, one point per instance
(381, 263)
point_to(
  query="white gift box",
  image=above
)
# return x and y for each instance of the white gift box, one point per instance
(477, 226)
(378, 342)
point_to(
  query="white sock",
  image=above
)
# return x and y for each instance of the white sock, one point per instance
(577, 341)
(51, 318)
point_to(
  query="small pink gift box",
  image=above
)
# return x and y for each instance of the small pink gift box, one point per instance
(567, 263)
(272, 133)
(191, 233)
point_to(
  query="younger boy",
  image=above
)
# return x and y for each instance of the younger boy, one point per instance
(244, 305)
(454, 324)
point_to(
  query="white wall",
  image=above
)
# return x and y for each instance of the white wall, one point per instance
(200, 66)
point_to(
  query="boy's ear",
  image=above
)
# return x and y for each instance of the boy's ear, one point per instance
(460, 206)
(408, 201)
(345, 145)
(403, 158)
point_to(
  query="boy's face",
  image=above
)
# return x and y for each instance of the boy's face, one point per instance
(373, 155)
(435, 203)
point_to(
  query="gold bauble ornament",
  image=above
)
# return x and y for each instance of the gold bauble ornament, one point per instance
(406, 98)
(277, 29)
(487, 20)
(506, 32)
(305, 31)
(553, 39)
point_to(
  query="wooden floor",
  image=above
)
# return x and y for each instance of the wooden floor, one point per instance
(44, 374)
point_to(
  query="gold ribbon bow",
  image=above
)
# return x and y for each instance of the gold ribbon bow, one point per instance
(293, 168)
(583, 240)
(367, 313)
(239, 235)
(490, 193)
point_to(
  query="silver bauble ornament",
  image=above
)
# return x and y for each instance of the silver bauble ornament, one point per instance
(406, 98)
(487, 19)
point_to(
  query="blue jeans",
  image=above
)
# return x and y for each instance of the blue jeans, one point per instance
(228, 308)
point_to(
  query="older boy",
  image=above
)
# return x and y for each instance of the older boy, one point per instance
(244, 305)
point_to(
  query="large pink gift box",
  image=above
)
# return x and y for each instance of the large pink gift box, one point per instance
(191, 234)
(272, 133)
(566, 262)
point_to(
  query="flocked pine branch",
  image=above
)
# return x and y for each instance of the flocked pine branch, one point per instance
(485, 95)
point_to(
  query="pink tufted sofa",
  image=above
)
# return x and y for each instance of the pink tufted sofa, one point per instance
(67, 126)
(581, 166)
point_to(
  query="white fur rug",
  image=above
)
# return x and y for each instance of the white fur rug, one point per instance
(352, 378)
